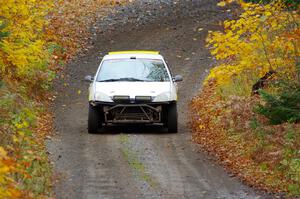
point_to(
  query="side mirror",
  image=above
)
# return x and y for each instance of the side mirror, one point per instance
(177, 78)
(88, 78)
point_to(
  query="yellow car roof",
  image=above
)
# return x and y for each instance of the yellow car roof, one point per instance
(134, 52)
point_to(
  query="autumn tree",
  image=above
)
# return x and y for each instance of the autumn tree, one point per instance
(260, 41)
(23, 54)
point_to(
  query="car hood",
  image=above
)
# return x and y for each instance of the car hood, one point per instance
(133, 89)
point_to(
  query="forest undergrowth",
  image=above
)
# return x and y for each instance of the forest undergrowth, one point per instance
(37, 38)
(248, 112)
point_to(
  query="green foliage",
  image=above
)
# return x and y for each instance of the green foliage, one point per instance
(2, 32)
(282, 108)
(254, 123)
(133, 159)
(18, 119)
(283, 105)
(291, 165)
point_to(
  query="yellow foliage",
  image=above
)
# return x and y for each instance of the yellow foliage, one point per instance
(23, 50)
(36, 36)
(256, 43)
(6, 189)
(222, 3)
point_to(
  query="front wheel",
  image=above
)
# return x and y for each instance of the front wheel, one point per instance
(172, 118)
(94, 119)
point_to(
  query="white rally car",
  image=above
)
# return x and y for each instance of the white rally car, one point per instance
(133, 87)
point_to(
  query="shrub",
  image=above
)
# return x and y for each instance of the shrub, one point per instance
(284, 107)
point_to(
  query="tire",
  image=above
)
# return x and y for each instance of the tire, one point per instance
(94, 119)
(172, 123)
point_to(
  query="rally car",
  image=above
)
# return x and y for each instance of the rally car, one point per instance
(133, 87)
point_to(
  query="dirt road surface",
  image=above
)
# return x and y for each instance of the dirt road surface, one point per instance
(140, 162)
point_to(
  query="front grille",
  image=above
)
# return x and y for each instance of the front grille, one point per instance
(127, 113)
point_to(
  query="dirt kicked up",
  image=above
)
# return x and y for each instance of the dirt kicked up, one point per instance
(138, 161)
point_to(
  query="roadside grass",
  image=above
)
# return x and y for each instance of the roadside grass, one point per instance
(23, 129)
(132, 157)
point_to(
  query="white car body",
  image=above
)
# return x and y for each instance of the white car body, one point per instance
(133, 87)
(159, 91)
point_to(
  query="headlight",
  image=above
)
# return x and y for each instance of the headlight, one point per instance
(102, 97)
(163, 97)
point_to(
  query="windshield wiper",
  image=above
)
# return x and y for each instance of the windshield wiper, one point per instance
(130, 79)
(109, 80)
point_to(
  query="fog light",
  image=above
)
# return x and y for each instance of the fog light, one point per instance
(121, 98)
(143, 98)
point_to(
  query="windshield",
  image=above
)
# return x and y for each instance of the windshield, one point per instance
(133, 70)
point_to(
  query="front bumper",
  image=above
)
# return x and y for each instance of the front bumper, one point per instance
(126, 113)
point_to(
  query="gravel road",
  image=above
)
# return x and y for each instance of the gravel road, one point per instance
(137, 161)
